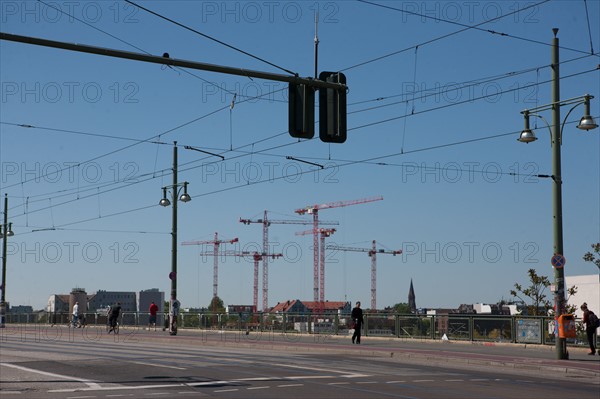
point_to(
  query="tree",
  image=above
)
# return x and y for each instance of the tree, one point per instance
(535, 292)
(402, 308)
(590, 257)
(216, 305)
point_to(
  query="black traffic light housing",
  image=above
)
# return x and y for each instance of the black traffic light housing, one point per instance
(332, 109)
(301, 115)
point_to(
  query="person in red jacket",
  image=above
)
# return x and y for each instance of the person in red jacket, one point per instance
(152, 319)
(589, 328)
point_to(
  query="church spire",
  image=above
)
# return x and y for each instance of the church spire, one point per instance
(411, 298)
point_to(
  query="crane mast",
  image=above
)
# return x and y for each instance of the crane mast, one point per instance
(372, 252)
(216, 243)
(266, 222)
(314, 210)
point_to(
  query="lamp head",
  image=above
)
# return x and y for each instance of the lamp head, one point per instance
(587, 122)
(164, 201)
(185, 197)
(527, 135)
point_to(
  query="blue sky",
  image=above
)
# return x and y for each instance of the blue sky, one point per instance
(433, 118)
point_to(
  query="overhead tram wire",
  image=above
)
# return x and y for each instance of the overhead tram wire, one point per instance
(457, 103)
(473, 82)
(210, 38)
(105, 136)
(377, 122)
(475, 27)
(144, 141)
(348, 163)
(131, 45)
(468, 27)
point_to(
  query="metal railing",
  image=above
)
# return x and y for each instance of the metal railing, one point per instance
(456, 327)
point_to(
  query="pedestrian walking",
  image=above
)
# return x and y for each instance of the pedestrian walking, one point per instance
(152, 319)
(75, 314)
(174, 313)
(113, 317)
(357, 320)
(590, 320)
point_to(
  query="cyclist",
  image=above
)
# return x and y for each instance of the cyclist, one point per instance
(113, 316)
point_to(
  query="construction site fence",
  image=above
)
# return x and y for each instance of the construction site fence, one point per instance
(456, 327)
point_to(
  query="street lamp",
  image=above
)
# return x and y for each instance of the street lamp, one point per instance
(175, 189)
(556, 130)
(5, 232)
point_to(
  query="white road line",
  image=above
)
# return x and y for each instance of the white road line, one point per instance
(422, 380)
(315, 369)
(290, 385)
(454, 380)
(252, 388)
(395, 382)
(205, 383)
(80, 397)
(366, 382)
(119, 387)
(89, 383)
(226, 390)
(479, 379)
(159, 365)
(339, 383)
(309, 377)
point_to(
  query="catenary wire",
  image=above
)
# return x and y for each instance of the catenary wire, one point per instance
(209, 37)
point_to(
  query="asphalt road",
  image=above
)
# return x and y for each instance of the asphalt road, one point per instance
(80, 364)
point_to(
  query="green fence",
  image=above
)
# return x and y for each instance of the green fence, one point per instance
(455, 327)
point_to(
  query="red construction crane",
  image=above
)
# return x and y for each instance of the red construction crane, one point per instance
(256, 256)
(216, 243)
(323, 233)
(314, 210)
(372, 252)
(266, 223)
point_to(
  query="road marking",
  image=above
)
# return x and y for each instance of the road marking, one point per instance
(119, 387)
(366, 382)
(454, 380)
(89, 383)
(159, 365)
(339, 383)
(290, 385)
(315, 369)
(479, 379)
(226, 390)
(422, 380)
(309, 377)
(80, 397)
(395, 382)
(263, 387)
(205, 383)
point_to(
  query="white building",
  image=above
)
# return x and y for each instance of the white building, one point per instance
(588, 290)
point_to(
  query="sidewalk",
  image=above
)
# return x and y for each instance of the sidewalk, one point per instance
(502, 357)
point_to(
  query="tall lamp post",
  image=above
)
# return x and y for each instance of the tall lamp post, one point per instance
(175, 189)
(556, 129)
(5, 232)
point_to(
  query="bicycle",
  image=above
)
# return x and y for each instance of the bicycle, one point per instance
(114, 328)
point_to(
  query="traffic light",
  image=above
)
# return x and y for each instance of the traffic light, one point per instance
(332, 109)
(301, 115)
